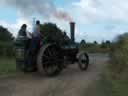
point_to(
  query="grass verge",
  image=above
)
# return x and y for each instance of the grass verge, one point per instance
(101, 87)
(115, 79)
(7, 66)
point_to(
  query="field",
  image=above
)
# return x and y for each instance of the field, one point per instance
(7, 66)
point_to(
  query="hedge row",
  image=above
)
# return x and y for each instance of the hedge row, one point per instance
(6, 49)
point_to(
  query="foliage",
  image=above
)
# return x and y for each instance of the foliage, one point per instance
(82, 42)
(114, 81)
(94, 47)
(118, 67)
(119, 55)
(7, 66)
(5, 35)
(95, 42)
(6, 42)
(108, 42)
(51, 33)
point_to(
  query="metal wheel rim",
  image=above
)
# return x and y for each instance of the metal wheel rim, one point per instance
(51, 56)
(83, 61)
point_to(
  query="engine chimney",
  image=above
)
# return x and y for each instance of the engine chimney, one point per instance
(72, 31)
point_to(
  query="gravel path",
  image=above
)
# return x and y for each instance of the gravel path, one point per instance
(71, 82)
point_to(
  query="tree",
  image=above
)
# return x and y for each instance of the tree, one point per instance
(95, 42)
(5, 35)
(108, 42)
(52, 33)
(6, 45)
(83, 42)
(103, 45)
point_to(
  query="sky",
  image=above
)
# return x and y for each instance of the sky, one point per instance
(96, 20)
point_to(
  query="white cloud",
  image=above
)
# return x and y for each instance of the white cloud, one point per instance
(100, 9)
(14, 27)
(87, 13)
(111, 16)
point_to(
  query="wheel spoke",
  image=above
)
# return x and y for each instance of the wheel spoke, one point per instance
(46, 62)
(54, 52)
(50, 60)
(45, 56)
(49, 52)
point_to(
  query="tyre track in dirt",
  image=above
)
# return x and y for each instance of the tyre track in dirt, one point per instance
(71, 82)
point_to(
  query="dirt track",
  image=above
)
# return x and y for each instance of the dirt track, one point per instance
(71, 82)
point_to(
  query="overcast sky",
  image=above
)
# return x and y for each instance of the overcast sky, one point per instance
(95, 19)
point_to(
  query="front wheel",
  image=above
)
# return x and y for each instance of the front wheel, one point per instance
(83, 61)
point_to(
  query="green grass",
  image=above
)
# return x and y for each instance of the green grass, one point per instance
(101, 87)
(7, 66)
(109, 85)
(120, 87)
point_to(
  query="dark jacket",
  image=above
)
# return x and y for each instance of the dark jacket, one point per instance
(22, 32)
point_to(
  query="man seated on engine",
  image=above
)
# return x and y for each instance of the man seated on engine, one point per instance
(24, 33)
(26, 38)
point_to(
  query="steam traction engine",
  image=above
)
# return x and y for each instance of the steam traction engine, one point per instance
(51, 58)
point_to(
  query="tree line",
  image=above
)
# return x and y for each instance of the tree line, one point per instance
(6, 42)
(95, 47)
(51, 33)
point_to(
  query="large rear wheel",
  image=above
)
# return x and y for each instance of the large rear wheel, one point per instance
(50, 60)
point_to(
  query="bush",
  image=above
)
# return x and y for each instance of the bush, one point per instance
(119, 56)
(7, 66)
(6, 49)
(94, 48)
(118, 68)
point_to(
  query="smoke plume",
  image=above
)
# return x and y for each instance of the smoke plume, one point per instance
(44, 8)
